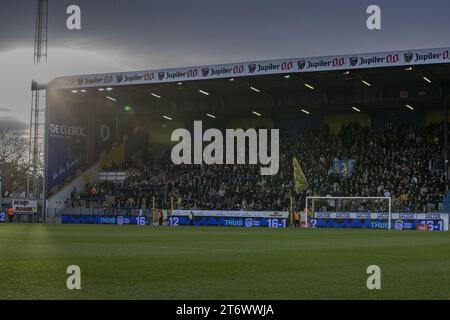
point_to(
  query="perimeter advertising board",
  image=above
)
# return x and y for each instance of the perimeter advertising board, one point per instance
(246, 219)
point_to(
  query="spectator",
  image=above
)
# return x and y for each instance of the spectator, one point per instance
(161, 217)
(10, 212)
(75, 197)
(94, 191)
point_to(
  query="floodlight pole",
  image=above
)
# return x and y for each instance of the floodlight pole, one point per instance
(446, 102)
(36, 125)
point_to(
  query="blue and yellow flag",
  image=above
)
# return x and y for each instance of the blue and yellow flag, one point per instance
(300, 181)
(344, 168)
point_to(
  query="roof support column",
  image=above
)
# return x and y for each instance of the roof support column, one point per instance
(446, 102)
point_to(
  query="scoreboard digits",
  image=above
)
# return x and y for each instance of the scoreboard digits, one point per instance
(173, 221)
(277, 223)
(433, 225)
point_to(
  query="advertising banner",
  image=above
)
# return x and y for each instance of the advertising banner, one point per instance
(254, 222)
(67, 138)
(257, 68)
(104, 219)
(381, 215)
(24, 206)
(380, 220)
(221, 218)
(428, 225)
(234, 214)
(105, 122)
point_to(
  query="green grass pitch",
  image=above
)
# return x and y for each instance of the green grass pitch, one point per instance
(130, 262)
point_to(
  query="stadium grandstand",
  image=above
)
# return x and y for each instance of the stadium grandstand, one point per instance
(363, 125)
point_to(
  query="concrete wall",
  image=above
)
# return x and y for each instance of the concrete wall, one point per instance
(335, 121)
(56, 202)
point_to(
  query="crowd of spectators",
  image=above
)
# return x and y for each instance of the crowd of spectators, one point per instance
(402, 162)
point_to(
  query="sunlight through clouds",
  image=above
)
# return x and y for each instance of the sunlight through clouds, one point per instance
(18, 72)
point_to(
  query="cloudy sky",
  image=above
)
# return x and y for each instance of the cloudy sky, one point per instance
(125, 35)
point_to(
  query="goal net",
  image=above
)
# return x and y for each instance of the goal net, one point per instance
(350, 208)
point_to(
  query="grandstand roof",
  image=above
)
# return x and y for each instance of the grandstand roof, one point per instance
(373, 81)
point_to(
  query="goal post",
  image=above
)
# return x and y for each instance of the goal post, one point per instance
(310, 203)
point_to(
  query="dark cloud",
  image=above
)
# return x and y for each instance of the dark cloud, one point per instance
(13, 124)
(224, 31)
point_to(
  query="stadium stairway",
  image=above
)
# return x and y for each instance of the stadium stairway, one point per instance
(57, 202)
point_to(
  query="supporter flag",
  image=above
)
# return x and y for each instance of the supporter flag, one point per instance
(134, 173)
(300, 181)
(344, 168)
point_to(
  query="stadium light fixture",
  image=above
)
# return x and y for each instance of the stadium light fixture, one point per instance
(211, 115)
(180, 83)
(204, 92)
(305, 111)
(109, 89)
(356, 109)
(255, 89)
(74, 91)
(257, 113)
(347, 73)
(309, 86)
(101, 89)
(287, 76)
(111, 98)
(83, 91)
(426, 79)
(167, 118)
(231, 79)
(409, 107)
(366, 83)
(409, 69)
(155, 95)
